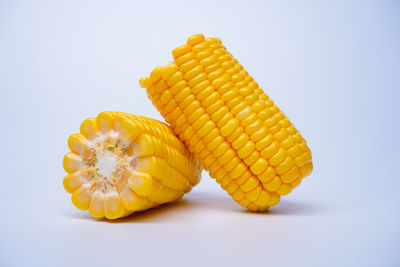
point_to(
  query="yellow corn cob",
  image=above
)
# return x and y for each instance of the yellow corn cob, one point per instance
(122, 163)
(245, 142)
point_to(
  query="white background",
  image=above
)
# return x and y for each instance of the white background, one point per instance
(332, 67)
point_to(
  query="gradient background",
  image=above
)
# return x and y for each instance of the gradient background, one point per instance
(332, 66)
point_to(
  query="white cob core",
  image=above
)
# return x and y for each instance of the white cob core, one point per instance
(106, 164)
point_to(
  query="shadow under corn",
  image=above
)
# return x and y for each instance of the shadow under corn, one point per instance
(196, 204)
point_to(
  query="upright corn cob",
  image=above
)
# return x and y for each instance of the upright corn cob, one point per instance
(229, 123)
(122, 163)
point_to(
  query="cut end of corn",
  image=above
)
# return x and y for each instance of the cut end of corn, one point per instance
(239, 135)
(121, 163)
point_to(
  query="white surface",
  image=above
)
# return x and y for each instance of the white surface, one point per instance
(333, 68)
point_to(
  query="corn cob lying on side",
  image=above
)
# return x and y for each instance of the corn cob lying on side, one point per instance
(229, 123)
(122, 163)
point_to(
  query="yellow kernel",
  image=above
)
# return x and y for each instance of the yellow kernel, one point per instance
(291, 130)
(192, 107)
(182, 94)
(263, 198)
(224, 119)
(306, 169)
(229, 95)
(155, 75)
(188, 65)
(235, 135)
(234, 102)
(193, 72)
(270, 150)
(240, 141)
(285, 123)
(215, 106)
(201, 121)
(270, 122)
(250, 184)
(215, 143)
(185, 58)
(251, 99)
(252, 158)
(244, 177)
(300, 160)
(238, 195)
(284, 166)
(265, 114)
(278, 157)
(179, 51)
(195, 39)
(197, 80)
(208, 61)
(169, 71)
(176, 77)
(288, 143)
(274, 199)
(254, 193)
(238, 170)
(211, 135)
(220, 113)
(248, 120)
(211, 99)
(145, 82)
(242, 115)
(79, 145)
(259, 166)
(196, 115)
(258, 106)
(166, 97)
(252, 128)
(73, 162)
(212, 67)
(284, 189)
(228, 128)
(201, 86)
(81, 197)
(219, 81)
(89, 128)
(221, 149)
(264, 142)
(267, 175)
(291, 175)
(232, 187)
(273, 184)
(177, 87)
(75, 180)
(259, 134)
(281, 135)
(205, 93)
(226, 87)
(246, 149)
(239, 108)
(231, 164)
(227, 156)
(294, 151)
(215, 74)
(296, 182)
(206, 129)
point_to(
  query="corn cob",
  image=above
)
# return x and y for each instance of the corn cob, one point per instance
(122, 163)
(216, 108)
